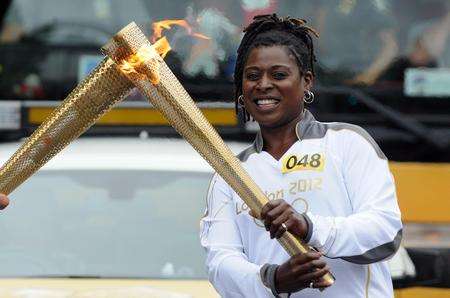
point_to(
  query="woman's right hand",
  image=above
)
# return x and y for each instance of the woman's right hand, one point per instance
(4, 201)
(299, 271)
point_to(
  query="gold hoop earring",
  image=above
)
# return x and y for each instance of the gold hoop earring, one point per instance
(309, 97)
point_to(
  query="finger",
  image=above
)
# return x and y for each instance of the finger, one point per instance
(277, 211)
(277, 225)
(278, 231)
(4, 201)
(302, 269)
(321, 284)
(303, 258)
(310, 266)
(316, 274)
(284, 216)
(300, 264)
(274, 214)
(269, 206)
(319, 264)
(276, 228)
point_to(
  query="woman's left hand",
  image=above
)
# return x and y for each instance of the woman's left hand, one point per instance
(279, 217)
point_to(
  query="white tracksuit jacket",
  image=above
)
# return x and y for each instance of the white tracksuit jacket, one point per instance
(335, 173)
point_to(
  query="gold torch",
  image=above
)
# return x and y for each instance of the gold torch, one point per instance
(105, 86)
(137, 58)
(93, 97)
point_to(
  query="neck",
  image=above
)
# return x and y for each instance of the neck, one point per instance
(278, 140)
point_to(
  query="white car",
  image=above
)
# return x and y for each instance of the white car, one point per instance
(123, 208)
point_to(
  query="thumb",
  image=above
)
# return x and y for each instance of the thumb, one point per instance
(4, 201)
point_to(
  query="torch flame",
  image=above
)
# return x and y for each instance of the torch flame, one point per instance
(162, 46)
(145, 63)
(167, 24)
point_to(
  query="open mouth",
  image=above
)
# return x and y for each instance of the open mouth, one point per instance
(266, 103)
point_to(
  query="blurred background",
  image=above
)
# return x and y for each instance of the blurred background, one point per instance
(381, 64)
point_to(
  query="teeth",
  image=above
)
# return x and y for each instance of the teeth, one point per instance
(266, 101)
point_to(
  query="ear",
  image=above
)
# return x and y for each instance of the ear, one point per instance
(308, 80)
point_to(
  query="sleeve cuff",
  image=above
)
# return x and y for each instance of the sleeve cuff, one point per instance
(267, 273)
(310, 227)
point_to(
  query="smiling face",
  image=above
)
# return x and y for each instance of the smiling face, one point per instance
(273, 87)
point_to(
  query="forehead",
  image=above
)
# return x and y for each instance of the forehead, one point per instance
(267, 56)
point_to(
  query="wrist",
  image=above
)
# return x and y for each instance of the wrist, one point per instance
(268, 273)
(276, 292)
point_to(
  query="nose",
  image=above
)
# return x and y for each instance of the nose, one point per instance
(264, 83)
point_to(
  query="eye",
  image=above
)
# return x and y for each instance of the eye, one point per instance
(279, 75)
(252, 76)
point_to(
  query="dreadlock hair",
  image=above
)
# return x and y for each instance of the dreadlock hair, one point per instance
(269, 30)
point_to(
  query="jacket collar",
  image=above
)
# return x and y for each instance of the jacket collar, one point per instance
(300, 129)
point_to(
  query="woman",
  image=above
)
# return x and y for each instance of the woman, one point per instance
(328, 183)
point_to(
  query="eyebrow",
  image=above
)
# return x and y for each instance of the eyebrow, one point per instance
(273, 66)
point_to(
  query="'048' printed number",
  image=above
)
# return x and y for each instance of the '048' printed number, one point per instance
(299, 162)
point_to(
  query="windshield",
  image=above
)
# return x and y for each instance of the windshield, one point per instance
(120, 223)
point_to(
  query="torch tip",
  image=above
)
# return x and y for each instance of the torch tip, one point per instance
(130, 34)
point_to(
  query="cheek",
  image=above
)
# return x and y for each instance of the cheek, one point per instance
(292, 90)
(247, 86)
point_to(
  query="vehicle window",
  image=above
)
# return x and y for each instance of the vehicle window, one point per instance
(97, 223)
(70, 22)
(390, 37)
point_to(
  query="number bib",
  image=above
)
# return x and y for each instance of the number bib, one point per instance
(300, 162)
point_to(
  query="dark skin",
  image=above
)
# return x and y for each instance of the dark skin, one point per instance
(273, 87)
(4, 201)
(272, 73)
